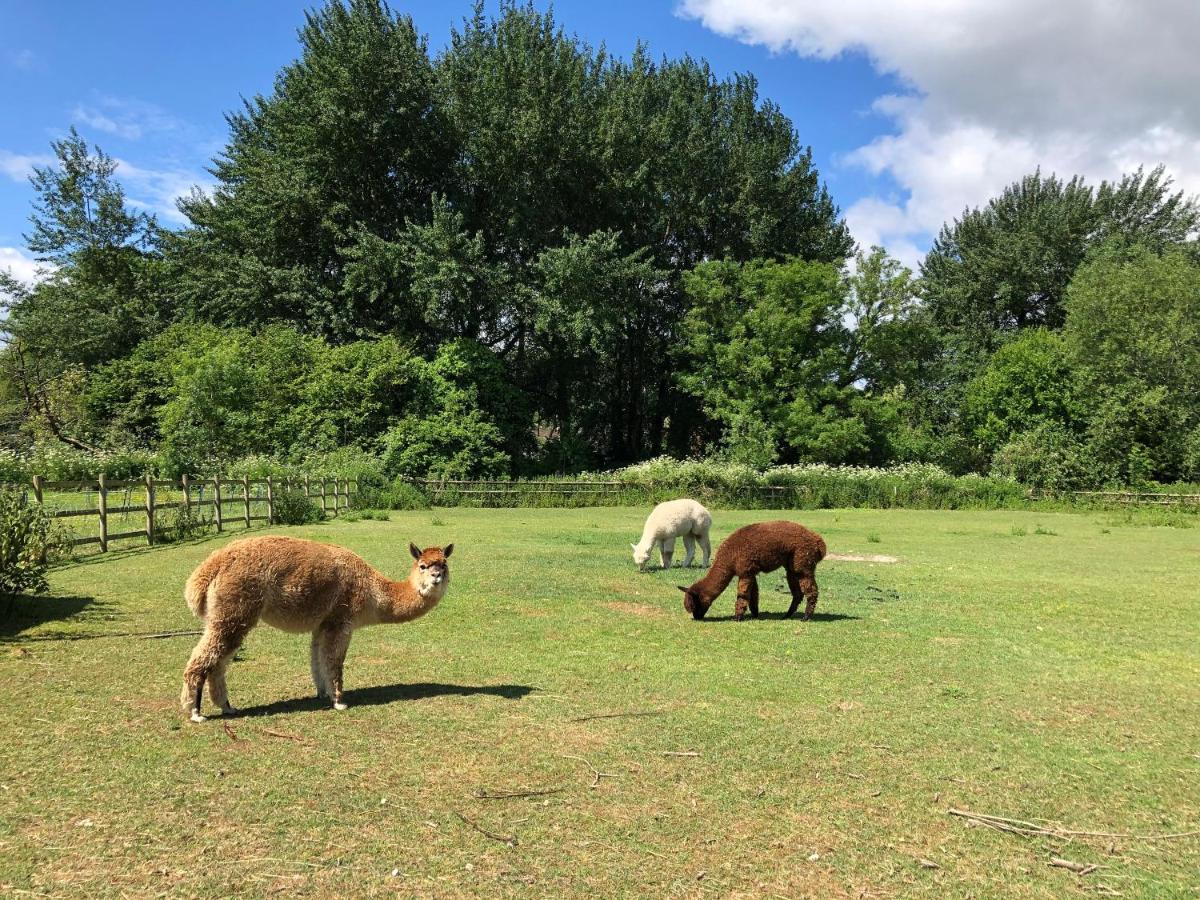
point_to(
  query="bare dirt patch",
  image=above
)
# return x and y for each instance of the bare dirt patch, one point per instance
(636, 609)
(856, 557)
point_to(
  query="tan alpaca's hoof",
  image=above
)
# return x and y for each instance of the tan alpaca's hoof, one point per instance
(196, 717)
(340, 706)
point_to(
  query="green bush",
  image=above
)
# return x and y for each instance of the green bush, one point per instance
(401, 494)
(182, 523)
(29, 542)
(293, 508)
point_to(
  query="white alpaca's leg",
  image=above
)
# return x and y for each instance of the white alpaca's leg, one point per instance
(668, 550)
(705, 546)
(320, 679)
(689, 546)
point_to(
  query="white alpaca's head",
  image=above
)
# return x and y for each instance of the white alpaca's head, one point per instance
(640, 556)
(431, 572)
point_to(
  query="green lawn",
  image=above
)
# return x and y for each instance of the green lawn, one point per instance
(1032, 665)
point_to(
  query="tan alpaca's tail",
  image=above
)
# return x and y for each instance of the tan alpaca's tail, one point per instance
(195, 592)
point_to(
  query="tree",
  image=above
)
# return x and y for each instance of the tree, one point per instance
(767, 352)
(1007, 266)
(1133, 329)
(102, 293)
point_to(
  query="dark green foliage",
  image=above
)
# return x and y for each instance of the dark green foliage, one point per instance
(401, 494)
(181, 523)
(29, 542)
(1133, 326)
(293, 508)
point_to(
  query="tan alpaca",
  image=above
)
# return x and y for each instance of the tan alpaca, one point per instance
(298, 585)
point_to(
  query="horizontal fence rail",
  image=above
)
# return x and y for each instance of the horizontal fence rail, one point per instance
(169, 509)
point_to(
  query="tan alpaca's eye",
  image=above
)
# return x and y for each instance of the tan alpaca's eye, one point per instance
(424, 567)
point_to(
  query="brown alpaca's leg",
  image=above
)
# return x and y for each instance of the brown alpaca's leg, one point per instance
(215, 646)
(747, 597)
(793, 581)
(335, 641)
(808, 583)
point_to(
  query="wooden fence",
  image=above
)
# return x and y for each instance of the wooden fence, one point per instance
(201, 503)
(1124, 498)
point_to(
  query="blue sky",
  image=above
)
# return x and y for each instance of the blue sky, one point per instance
(913, 110)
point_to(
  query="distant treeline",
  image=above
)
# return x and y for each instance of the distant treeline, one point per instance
(523, 256)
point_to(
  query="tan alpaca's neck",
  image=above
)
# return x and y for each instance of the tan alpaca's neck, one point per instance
(402, 601)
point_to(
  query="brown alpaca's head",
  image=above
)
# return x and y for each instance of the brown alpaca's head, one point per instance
(694, 602)
(431, 571)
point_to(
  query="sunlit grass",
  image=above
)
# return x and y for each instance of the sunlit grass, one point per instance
(990, 669)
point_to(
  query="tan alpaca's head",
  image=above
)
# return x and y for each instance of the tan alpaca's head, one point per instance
(430, 573)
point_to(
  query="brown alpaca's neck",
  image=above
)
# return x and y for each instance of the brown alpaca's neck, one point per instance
(717, 578)
(402, 601)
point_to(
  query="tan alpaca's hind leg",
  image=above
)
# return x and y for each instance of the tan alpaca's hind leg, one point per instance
(335, 641)
(316, 663)
(705, 546)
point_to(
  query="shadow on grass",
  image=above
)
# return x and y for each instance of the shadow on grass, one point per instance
(816, 617)
(20, 612)
(391, 693)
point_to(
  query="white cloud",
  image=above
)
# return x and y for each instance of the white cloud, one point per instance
(997, 89)
(158, 190)
(21, 265)
(125, 117)
(21, 59)
(19, 167)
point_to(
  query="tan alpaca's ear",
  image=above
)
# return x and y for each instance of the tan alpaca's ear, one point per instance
(449, 549)
(414, 550)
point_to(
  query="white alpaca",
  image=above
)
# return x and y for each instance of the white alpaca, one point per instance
(675, 518)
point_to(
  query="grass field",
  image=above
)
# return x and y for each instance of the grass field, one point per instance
(1031, 665)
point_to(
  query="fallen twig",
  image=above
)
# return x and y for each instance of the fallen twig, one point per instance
(507, 839)
(1078, 868)
(680, 753)
(166, 634)
(595, 771)
(619, 715)
(482, 794)
(1019, 826)
(232, 734)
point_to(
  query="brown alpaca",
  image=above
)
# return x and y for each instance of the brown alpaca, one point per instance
(763, 547)
(298, 585)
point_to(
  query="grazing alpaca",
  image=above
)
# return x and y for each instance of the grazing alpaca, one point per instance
(298, 585)
(760, 548)
(670, 520)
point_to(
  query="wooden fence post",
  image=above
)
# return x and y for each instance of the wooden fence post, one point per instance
(217, 502)
(270, 502)
(246, 497)
(150, 509)
(187, 495)
(324, 511)
(102, 504)
(38, 481)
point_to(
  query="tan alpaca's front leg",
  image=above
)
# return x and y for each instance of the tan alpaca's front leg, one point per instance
(215, 645)
(218, 691)
(335, 641)
(668, 551)
(317, 664)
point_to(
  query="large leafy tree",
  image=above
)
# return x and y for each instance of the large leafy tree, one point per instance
(102, 294)
(1133, 327)
(1006, 266)
(478, 195)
